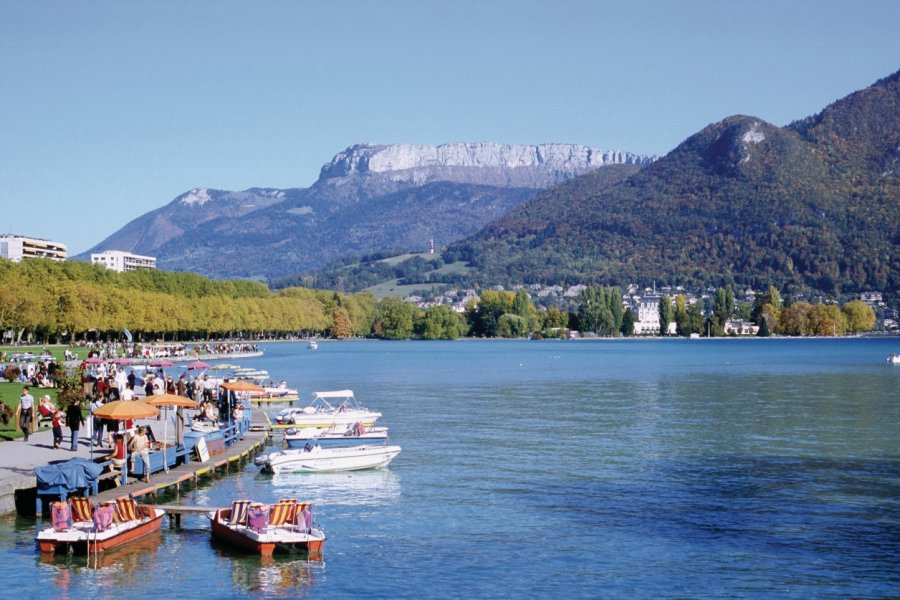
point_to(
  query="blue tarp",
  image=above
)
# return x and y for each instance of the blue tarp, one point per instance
(70, 476)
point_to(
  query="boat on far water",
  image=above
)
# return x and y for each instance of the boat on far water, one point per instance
(313, 344)
(327, 460)
(894, 359)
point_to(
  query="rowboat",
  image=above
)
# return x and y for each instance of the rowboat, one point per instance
(353, 435)
(285, 526)
(325, 460)
(338, 408)
(85, 529)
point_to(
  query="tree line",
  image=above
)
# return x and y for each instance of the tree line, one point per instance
(46, 301)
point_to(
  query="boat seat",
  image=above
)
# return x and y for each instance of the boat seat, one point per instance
(126, 510)
(239, 512)
(82, 510)
(284, 511)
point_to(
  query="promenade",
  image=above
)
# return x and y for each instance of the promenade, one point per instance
(19, 458)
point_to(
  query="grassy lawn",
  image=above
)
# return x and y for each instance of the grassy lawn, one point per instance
(10, 391)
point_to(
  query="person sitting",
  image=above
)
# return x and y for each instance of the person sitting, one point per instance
(140, 446)
(46, 410)
(117, 457)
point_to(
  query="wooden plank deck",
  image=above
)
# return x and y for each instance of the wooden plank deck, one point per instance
(188, 473)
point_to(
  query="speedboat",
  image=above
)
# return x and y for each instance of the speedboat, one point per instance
(316, 459)
(285, 526)
(88, 529)
(338, 408)
(894, 359)
(335, 436)
(312, 344)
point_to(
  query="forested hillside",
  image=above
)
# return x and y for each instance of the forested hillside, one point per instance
(812, 206)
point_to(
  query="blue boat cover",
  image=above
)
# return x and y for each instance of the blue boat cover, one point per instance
(74, 474)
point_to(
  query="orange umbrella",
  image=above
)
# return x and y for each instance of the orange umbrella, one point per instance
(242, 386)
(169, 400)
(121, 410)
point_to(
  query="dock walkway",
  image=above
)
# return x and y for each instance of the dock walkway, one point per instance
(19, 458)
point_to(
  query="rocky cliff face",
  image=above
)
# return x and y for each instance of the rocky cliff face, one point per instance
(482, 163)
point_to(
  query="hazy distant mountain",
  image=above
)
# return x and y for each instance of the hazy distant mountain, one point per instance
(367, 198)
(814, 205)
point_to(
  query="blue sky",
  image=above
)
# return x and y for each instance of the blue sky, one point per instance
(111, 109)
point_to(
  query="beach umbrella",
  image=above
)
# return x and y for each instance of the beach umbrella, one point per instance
(94, 360)
(198, 365)
(240, 386)
(168, 400)
(123, 410)
(161, 362)
(123, 361)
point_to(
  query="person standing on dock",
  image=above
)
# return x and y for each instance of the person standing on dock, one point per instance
(26, 411)
(74, 420)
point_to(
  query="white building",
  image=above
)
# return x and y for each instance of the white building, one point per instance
(117, 260)
(18, 248)
(647, 322)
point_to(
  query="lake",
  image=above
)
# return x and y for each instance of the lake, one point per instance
(564, 469)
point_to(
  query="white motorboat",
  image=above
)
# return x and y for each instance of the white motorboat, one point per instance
(337, 408)
(353, 435)
(322, 460)
(894, 359)
(313, 344)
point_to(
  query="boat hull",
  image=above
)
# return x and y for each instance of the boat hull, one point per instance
(332, 439)
(330, 460)
(86, 541)
(325, 420)
(275, 539)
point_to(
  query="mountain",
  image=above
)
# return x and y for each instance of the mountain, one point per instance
(810, 206)
(367, 197)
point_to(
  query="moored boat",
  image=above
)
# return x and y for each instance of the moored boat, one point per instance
(352, 435)
(338, 408)
(325, 460)
(285, 526)
(85, 529)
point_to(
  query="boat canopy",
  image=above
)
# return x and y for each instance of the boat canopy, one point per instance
(335, 394)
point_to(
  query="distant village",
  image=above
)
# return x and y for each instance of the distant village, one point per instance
(644, 304)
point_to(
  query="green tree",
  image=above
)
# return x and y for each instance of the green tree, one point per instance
(860, 316)
(666, 315)
(440, 323)
(397, 318)
(627, 328)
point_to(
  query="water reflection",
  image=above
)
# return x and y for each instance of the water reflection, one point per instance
(280, 575)
(118, 568)
(358, 488)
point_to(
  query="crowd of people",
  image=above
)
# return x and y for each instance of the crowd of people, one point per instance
(108, 382)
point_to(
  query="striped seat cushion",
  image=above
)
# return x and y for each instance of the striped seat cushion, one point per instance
(239, 511)
(283, 512)
(81, 508)
(126, 510)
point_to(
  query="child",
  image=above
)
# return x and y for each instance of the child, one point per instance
(56, 422)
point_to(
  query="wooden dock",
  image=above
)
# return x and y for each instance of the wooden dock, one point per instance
(189, 473)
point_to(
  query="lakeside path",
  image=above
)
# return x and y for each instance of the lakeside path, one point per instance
(19, 458)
